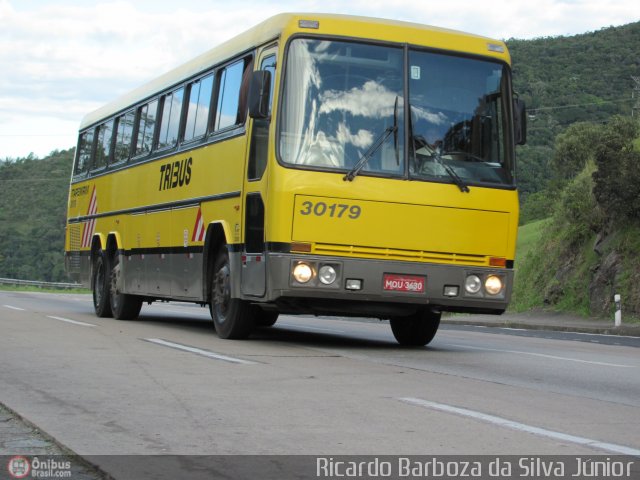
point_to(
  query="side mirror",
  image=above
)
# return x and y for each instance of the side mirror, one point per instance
(259, 91)
(520, 121)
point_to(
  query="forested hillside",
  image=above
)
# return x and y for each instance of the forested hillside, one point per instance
(33, 199)
(588, 249)
(564, 80)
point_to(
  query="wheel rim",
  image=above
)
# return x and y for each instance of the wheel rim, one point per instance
(115, 299)
(221, 292)
(99, 283)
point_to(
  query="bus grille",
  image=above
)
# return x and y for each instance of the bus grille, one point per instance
(396, 254)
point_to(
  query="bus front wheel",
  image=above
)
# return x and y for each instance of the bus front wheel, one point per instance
(233, 318)
(416, 330)
(265, 318)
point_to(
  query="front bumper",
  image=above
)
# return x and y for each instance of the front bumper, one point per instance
(438, 278)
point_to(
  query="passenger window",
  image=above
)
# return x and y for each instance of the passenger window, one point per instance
(146, 127)
(229, 95)
(103, 147)
(198, 108)
(123, 137)
(171, 112)
(85, 148)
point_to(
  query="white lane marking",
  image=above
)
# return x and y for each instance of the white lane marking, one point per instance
(309, 327)
(601, 334)
(546, 331)
(14, 308)
(522, 427)
(198, 351)
(553, 357)
(75, 322)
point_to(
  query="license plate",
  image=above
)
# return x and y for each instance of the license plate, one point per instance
(404, 283)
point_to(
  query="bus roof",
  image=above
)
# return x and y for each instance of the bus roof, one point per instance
(289, 23)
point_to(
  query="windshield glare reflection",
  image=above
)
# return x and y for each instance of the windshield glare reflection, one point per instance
(339, 99)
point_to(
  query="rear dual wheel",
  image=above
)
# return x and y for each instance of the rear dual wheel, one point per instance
(108, 299)
(123, 305)
(101, 283)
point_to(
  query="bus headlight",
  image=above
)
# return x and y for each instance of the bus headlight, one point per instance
(302, 272)
(472, 284)
(327, 274)
(493, 284)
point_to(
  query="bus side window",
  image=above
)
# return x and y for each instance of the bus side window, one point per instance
(198, 108)
(85, 148)
(229, 82)
(124, 135)
(103, 146)
(146, 127)
(171, 114)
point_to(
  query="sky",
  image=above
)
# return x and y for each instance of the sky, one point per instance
(61, 59)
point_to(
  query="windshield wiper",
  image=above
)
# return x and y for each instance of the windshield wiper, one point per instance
(437, 155)
(420, 142)
(393, 129)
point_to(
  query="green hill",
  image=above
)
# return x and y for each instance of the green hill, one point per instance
(588, 250)
(564, 80)
(33, 199)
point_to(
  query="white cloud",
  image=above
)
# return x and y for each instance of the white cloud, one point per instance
(61, 58)
(371, 100)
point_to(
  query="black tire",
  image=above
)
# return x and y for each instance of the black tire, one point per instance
(123, 306)
(233, 318)
(416, 330)
(101, 285)
(266, 318)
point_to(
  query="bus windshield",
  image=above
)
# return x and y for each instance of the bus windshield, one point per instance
(341, 97)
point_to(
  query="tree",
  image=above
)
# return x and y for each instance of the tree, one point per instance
(574, 148)
(617, 179)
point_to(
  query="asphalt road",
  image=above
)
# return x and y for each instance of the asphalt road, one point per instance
(165, 384)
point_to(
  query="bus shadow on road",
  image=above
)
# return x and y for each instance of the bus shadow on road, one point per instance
(302, 335)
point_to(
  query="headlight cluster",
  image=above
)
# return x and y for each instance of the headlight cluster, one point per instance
(491, 284)
(311, 273)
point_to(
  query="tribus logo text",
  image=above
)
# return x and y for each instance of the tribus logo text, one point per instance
(176, 174)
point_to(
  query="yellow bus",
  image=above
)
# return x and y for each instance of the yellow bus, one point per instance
(315, 164)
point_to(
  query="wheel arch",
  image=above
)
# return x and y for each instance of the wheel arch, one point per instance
(114, 243)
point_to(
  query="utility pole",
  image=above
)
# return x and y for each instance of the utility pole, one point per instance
(635, 110)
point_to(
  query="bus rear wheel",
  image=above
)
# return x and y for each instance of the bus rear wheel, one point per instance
(416, 330)
(123, 306)
(101, 283)
(233, 318)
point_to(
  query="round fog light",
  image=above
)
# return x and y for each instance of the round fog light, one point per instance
(302, 273)
(493, 285)
(327, 274)
(472, 284)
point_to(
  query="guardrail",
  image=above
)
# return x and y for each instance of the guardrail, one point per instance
(33, 283)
